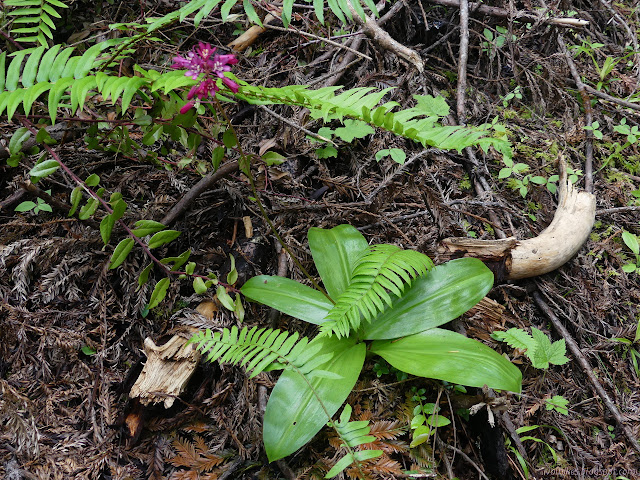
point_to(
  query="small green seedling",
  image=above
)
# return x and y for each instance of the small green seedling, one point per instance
(40, 206)
(631, 241)
(537, 346)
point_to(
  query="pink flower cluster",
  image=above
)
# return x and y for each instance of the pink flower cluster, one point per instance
(203, 59)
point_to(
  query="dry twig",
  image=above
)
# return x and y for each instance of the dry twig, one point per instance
(588, 370)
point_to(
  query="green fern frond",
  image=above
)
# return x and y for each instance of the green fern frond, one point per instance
(62, 75)
(417, 123)
(352, 434)
(380, 269)
(340, 8)
(36, 16)
(516, 338)
(256, 349)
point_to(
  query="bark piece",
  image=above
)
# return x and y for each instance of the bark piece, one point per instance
(167, 371)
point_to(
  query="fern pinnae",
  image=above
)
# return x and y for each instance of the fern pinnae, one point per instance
(379, 268)
(255, 349)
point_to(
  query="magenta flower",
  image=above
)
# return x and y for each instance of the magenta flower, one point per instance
(203, 60)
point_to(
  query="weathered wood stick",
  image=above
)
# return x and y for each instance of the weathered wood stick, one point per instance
(518, 15)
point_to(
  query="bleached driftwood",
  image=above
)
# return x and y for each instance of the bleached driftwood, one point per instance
(555, 246)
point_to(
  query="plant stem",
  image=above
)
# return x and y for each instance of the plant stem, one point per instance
(245, 160)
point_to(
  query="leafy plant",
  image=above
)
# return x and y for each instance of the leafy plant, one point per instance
(396, 154)
(40, 206)
(403, 330)
(495, 42)
(631, 241)
(595, 129)
(589, 48)
(631, 348)
(537, 346)
(513, 170)
(557, 403)
(352, 434)
(525, 438)
(516, 93)
(426, 419)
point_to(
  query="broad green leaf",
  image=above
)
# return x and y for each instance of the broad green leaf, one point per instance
(251, 12)
(3, 62)
(232, 276)
(273, 158)
(198, 286)
(163, 237)
(159, 292)
(147, 227)
(349, 458)
(47, 61)
(106, 227)
(89, 208)
(434, 299)
(289, 297)
(239, 308)
(558, 403)
(44, 137)
(335, 252)
(120, 253)
(85, 63)
(55, 95)
(107, 223)
(216, 157)
(449, 356)
(224, 298)
(79, 91)
(631, 241)
(58, 66)
(17, 139)
(177, 261)
(229, 138)
(318, 8)
(294, 415)
(144, 275)
(92, 180)
(547, 352)
(44, 169)
(13, 72)
(432, 106)
(15, 99)
(76, 196)
(516, 338)
(353, 129)
(226, 8)
(25, 207)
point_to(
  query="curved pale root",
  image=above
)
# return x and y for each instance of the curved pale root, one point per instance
(555, 246)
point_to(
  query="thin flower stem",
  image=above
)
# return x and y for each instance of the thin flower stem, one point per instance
(263, 211)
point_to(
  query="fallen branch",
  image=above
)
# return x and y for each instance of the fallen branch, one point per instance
(204, 184)
(521, 15)
(588, 115)
(588, 370)
(559, 242)
(612, 99)
(384, 40)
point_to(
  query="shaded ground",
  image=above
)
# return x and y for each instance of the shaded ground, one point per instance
(62, 405)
